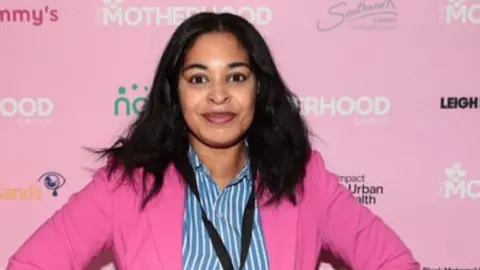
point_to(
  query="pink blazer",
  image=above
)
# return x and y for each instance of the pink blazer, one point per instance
(100, 215)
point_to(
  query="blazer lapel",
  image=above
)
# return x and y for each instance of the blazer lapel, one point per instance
(280, 232)
(166, 219)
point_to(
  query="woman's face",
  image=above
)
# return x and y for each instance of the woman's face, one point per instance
(217, 90)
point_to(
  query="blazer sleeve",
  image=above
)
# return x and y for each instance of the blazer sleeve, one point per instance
(75, 233)
(354, 233)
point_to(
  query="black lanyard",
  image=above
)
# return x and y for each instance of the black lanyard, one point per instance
(247, 228)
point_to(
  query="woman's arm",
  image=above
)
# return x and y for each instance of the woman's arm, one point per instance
(74, 234)
(353, 232)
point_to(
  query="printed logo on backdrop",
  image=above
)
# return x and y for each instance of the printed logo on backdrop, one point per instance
(365, 193)
(34, 16)
(460, 12)
(29, 192)
(459, 103)
(130, 100)
(27, 111)
(365, 110)
(52, 181)
(115, 12)
(456, 186)
(359, 15)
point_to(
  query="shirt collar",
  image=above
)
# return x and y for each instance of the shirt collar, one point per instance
(194, 159)
(197, 165)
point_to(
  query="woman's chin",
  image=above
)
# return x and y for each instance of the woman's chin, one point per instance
(221, 142)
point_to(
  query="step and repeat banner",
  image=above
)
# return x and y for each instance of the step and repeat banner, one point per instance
(391, 89)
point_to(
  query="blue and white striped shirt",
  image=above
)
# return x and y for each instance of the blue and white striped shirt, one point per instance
(225, 210)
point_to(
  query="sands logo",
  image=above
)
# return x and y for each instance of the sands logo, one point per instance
(36, 17)
(460, 11)
(455, 185)
(114, 12)
(366, 110)
(21, 193)
(33, 192)
(28, 111)
(366, 15)
(130, 100)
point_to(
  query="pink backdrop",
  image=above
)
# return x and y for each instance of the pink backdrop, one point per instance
(391, 87)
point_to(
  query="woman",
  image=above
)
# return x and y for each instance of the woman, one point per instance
(217, 172)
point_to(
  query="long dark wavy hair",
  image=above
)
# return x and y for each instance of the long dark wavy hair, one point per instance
(278, 138)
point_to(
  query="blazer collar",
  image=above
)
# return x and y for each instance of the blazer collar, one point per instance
(165, 214)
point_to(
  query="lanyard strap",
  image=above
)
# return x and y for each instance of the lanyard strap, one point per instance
(247, 228)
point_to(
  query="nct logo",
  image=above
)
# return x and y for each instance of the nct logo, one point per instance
(462, 11)
(456, 186)
(130, 100)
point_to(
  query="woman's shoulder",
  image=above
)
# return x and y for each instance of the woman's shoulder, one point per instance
(319, 180)
(113, 183)
(116, 181)
(316, 163)
(112, 180)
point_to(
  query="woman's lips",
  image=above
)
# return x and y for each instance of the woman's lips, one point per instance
(219, 117)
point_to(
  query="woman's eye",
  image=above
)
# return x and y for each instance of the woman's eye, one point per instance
(197, 79)
(237, 78)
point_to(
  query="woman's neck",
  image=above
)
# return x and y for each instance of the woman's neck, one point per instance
(223, 164)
